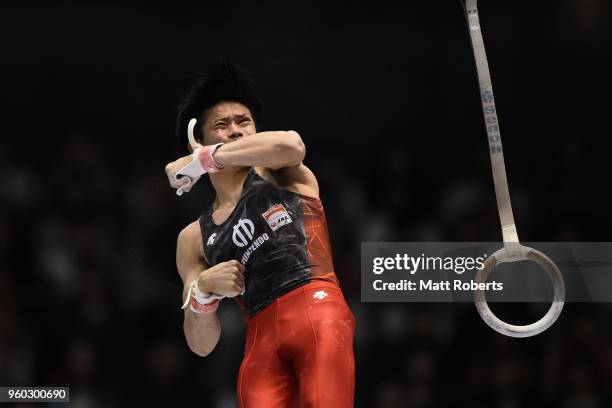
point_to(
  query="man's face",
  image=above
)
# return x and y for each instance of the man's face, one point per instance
(227, 122)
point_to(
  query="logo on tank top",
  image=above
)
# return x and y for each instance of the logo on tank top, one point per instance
(276, 216)
(243, 232)
(211, 239)
(243, 235)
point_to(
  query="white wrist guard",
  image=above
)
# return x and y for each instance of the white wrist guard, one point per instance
(199, 296)
(202, 162)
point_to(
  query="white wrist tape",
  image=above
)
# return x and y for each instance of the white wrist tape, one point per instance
(202, 162)
(195, 307)
(194, 169)
(199, 296)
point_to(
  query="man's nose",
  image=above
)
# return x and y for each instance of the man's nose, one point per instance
(235, 132)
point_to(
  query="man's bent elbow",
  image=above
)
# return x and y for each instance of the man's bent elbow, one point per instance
(293, 147)
(201, 345)
(201, 350)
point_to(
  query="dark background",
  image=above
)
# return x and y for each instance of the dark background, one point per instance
(385, 97)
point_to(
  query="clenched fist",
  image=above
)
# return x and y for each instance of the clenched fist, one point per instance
(225, 278)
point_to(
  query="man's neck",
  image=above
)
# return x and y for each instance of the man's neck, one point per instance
(228, 185)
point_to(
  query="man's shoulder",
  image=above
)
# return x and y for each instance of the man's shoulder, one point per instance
(298, 179)
(190, 239)
(191, 232)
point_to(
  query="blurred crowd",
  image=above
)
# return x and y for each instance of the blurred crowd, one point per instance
(90, 296)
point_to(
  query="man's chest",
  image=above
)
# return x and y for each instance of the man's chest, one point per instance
(251, 228)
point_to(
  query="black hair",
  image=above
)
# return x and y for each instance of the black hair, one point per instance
(223, 82)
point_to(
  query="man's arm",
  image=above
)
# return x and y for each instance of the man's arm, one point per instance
(202, 330)
(265, 149)
(276, 155)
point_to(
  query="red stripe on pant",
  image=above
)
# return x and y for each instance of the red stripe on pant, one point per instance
(299, 351)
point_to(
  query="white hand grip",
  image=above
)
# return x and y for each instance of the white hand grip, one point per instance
(190, 127)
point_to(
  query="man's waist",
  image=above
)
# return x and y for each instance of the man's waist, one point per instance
(282, 294)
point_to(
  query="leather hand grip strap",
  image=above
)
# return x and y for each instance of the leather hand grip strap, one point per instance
(197, 307)
(512, 250)
(202, 162)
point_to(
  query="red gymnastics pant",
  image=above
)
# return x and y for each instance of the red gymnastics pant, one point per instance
(299, 351)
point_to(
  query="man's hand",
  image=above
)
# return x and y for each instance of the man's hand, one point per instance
(225, 278)
(173, 168)
(186, 171)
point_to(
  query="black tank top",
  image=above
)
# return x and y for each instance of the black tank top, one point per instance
(279, 236)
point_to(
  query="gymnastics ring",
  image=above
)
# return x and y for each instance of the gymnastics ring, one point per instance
(520, 253)
(512, 250)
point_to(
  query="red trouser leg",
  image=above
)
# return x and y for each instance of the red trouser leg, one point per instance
(300, 351)
(264, 379)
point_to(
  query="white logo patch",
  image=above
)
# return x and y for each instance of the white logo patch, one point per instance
(243, 232)
(277, 216)
(211, 239)
(320, 294)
